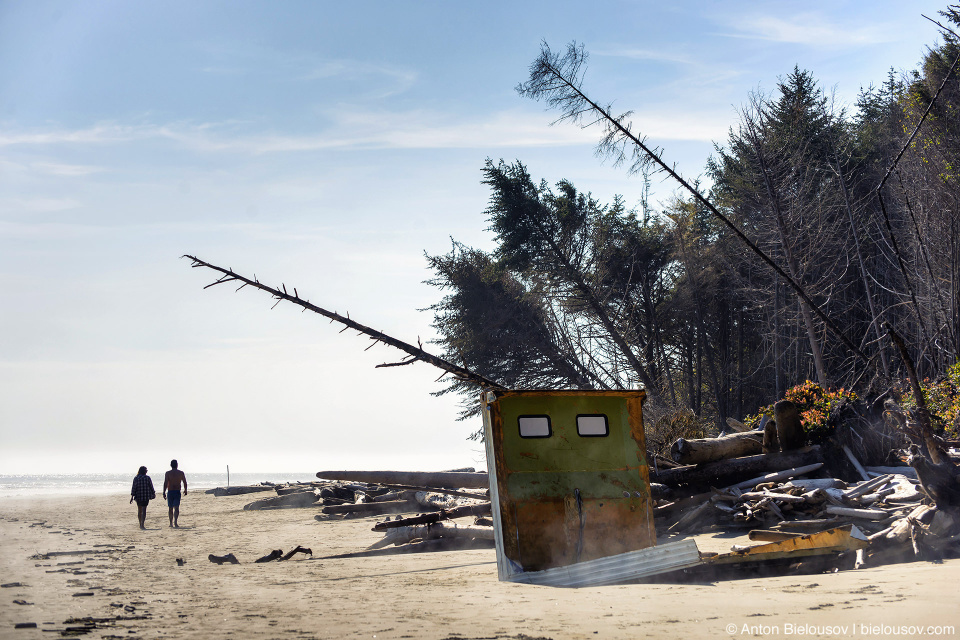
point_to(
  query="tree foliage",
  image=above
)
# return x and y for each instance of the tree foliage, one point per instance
(718, 303)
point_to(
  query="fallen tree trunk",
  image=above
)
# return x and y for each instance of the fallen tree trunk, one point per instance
(438, 544)
(702, 450)
(374, 508)
(236, 491)
(442, 479)
(289, 501)
(450, 492)
(402, 535)
(777, 476)
(428, 518)
(298, 488)
(723, 470)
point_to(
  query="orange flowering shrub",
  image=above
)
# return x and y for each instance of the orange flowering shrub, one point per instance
(816, 407)
(943, 401)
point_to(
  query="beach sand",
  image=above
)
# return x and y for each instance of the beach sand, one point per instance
(134, 575)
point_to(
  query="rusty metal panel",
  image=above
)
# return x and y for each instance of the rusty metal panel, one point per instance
(836, 540)
(567, 495)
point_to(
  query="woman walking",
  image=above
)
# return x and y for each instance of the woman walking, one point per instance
(142, 491)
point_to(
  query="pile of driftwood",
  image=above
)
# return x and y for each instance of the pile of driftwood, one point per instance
(444, 510)
(769, 483)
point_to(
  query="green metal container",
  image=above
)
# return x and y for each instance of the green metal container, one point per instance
(568, 476)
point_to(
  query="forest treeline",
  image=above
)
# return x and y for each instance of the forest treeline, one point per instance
(579, 293)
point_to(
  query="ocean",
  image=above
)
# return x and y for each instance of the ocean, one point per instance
(85, 484)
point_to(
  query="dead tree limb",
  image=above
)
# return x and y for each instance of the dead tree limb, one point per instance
(923, 413)
(415, 353)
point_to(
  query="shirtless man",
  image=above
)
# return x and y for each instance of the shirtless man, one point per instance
(171, 491)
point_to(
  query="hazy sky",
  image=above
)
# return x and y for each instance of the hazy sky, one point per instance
(325, 145)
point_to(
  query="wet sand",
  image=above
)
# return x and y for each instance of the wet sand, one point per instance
(134, 575)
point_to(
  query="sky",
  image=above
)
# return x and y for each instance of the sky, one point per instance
(327, 146)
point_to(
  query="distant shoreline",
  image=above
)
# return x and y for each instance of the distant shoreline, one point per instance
(37, 486)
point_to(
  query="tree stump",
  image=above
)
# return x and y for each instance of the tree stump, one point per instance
(789, 430)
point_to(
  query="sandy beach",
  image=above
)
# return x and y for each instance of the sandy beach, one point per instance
(129, 584)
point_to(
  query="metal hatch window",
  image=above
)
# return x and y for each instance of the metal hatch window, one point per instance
(534, 426)
(593, 425)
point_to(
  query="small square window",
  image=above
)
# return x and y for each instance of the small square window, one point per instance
(593, 426)
(534, 426)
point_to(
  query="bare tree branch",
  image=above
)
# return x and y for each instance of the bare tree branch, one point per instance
(377, 336)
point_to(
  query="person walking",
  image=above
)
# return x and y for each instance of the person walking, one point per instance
(171, 491)
(142, 491)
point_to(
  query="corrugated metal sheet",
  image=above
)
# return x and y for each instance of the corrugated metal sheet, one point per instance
(623, 567)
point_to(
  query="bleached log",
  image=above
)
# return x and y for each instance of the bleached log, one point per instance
(395, 495)
(402, 535)
(778, 476)
(374, 508)
(702, 450)
(736, 425)
(900, 530)
(909, 472)
(690, 518)
(864, 487)
(444, 479)
(815, 496)
(850, 512)
(236, 491)
(759, 495)
(298, 488)
(856, 463)
(944, 523)
(289, 501)
(435, 501)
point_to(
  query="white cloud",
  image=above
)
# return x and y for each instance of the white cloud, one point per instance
(811, 29)
(37, 204)
(351, 128)
(65, 170)
(633, 53)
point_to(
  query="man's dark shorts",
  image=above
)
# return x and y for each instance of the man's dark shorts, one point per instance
(143, 504)
(173, 498)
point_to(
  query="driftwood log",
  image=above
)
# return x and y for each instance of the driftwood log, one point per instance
(373, 508)
(293, 500)
(442, 479)
(236, 491)
(724, 470)
(402, 535)
(428, 518)
(232, 559)
(702, 450)
(299, 549)
(276, 554)
(425, 546)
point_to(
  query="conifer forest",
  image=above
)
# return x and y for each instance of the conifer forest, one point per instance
(815, 237)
